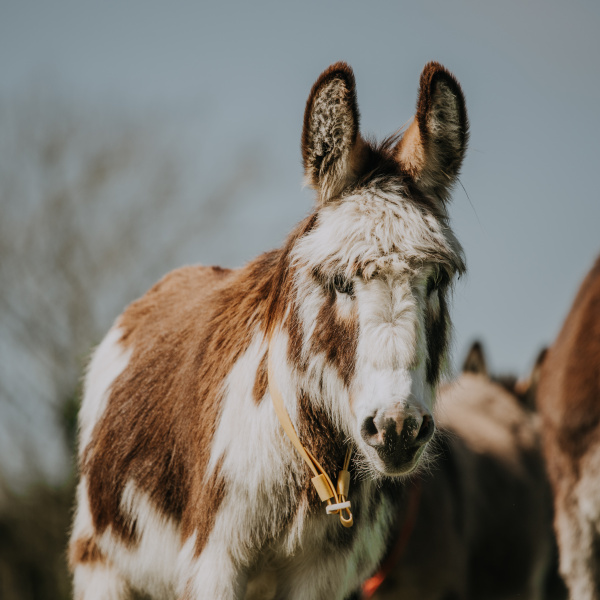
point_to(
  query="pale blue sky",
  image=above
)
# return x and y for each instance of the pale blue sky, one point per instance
(530, 71)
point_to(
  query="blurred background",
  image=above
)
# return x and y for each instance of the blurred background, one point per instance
(139, 136)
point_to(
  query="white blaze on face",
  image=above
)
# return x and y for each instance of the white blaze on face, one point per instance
(392, 353)
(388, 322)
(385, 247)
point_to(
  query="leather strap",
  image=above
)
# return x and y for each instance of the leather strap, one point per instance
(321, 480)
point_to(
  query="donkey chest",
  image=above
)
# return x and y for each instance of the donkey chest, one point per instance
(321, 558)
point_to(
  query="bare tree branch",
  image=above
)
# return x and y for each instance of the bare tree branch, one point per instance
(86, 224)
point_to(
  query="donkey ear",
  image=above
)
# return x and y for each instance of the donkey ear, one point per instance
(526, 390)
(330, 133)
(433, 147)
(475, 361)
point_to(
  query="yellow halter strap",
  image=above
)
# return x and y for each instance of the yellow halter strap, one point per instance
(321, 480)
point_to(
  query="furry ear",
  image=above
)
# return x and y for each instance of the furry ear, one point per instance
(526, 390)
(330, 135)
(475, 361)
(432, 149)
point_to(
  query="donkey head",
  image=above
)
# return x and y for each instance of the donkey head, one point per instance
(368, 273)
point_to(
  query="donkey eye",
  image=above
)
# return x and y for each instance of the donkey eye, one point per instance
(343, 285)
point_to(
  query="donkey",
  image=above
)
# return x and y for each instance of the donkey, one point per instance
(524, 389)
(189, 486)
(482, 518)
(568, 400)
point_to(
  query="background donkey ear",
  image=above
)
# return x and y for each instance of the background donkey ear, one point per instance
(475, 361)
(432, 149)
(330, 135)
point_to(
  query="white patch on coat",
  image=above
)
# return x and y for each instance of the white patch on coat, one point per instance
(588, 488)
(221, 570)
(109, 360)
(576, 541)
(83, 527)
(157, 546)
(246, 437)
(253, 454)
(578, 525)
(150, 564)
(99, 581)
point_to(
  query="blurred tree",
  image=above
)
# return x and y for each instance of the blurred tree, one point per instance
(93, 210)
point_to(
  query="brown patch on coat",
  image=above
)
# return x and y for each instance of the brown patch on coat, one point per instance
(205, 505)
(328, 445)
(337, 337)
(318, 434)
(334, 334)
(281, 294)
(569, 385)
(261, 382)
(186, 334)
(567, 400)
(162, 410)
(295, 338)
(84, 551)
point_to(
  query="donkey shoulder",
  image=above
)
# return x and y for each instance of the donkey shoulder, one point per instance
(156, 424)
(170, 302)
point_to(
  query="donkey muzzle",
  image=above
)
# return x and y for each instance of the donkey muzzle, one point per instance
(398, 436)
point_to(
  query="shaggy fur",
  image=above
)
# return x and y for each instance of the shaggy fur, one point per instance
(189, 488)
(569, 402)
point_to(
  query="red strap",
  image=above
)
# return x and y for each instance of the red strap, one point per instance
(393, 558)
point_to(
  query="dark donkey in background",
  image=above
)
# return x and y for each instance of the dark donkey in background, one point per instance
(478, 526)
(189, 486)
(569, 403)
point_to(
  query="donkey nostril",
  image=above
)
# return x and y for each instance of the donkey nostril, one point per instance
(426, 431)
(369, 430)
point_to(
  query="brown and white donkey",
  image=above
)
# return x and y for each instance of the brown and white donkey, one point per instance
(189, 486)
(568, 400)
